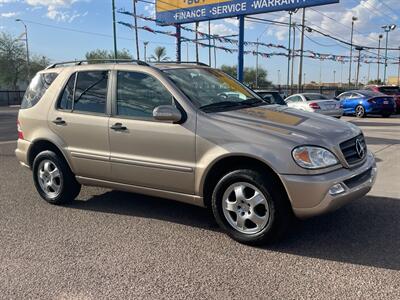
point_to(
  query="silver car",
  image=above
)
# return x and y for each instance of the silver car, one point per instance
(188, 133)
(317, 103)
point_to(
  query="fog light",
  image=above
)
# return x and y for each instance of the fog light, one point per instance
(336, 189)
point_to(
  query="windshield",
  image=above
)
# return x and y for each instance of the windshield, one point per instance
(211, 89)
(390, 90)
(312, 97)
(272, 97)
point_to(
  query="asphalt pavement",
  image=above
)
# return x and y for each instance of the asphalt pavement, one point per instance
(8, 123)
(111, 244)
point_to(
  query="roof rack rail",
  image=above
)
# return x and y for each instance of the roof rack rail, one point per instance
(182, 62)
(106, 60)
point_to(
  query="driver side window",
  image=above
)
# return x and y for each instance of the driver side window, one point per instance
(138, 94)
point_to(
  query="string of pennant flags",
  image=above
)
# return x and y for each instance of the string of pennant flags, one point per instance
(367, 59)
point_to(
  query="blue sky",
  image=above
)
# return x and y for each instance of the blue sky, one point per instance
(67, 29)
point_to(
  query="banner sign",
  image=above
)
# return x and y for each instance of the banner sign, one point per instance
(189, 11)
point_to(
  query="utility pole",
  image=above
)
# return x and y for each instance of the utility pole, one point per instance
(293, 57)
(398, 71)
(289, 51)
(351, 46)
(257, 64)
(301, 50)
(215, 54)
(379, 58)
(114, 30)
(196, 38)
(136, 30)
(359, 49)
(209, 43)
(28, 64)
(145, 50)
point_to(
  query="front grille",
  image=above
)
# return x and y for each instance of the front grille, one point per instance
(359, 179)
(349, 149)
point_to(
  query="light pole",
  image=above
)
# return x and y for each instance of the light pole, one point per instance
(359, 49)
(279, 78)
(353, 19)
(28, 67)
(387, 29)
(145, 50)
(379, 58)
(334, 77)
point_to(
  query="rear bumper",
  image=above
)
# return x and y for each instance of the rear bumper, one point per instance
(22, 152)
(331, 113)
(310, 195)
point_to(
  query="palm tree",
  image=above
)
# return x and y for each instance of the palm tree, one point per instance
(160, 54)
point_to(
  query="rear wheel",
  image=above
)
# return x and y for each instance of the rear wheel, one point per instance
(360, 111)
(251, 207)
(53, 179)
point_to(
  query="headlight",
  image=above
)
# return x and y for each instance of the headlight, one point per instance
(310, 157)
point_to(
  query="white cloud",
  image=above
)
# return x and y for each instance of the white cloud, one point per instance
(58, 9)
(10, 14)
(216, 28)
(235, 22)
(336, 20)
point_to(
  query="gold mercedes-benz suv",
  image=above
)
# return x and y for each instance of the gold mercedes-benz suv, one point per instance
(189, 133)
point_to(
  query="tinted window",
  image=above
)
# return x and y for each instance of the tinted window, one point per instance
(138, 94)
(91, 92)
(68, 94)
(312, 97)
(38, 86)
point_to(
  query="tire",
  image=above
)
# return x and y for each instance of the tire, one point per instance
(386, 115)
(273, 213)
(53, 179)
(360, 111)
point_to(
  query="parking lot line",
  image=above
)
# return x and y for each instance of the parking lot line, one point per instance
(8, 142)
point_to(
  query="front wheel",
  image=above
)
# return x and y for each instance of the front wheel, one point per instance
(53, 178)
(251, 207)
(360, 111)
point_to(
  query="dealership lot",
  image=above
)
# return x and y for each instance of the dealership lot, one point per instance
(113, 244)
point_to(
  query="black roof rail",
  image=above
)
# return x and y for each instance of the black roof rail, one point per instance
(106, 60)
(181, 62)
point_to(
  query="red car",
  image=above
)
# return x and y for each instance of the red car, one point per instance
(390, 90)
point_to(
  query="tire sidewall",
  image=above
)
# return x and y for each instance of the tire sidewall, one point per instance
(255, 179)
(49, 155)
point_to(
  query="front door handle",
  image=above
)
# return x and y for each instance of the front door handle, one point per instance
(59, 121)
(118, 127)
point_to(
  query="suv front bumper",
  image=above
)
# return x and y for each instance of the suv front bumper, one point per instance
(310, 195)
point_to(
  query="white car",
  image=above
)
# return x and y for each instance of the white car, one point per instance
(314, 102)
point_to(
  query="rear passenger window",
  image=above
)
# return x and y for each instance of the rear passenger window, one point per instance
(91, 92)
(68, 94)
(138, 94)
(38, 86)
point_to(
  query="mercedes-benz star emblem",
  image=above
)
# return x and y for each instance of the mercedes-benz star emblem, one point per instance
(360, 148)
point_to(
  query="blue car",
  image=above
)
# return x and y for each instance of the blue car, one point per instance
(363, 102)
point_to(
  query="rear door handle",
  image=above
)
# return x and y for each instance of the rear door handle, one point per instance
(59, 121)
(118, 127)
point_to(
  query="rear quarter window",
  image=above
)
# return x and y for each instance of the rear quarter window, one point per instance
(38, 86)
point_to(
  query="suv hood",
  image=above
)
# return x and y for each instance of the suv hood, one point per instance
(296, 125)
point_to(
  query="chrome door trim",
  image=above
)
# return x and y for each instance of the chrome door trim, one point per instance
(149, 164)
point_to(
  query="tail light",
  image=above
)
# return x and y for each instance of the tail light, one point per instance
(314, 106)
(20, 133)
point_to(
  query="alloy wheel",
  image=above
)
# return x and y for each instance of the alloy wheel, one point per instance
(49, 178)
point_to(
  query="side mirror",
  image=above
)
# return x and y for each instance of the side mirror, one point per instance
(167, 113)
